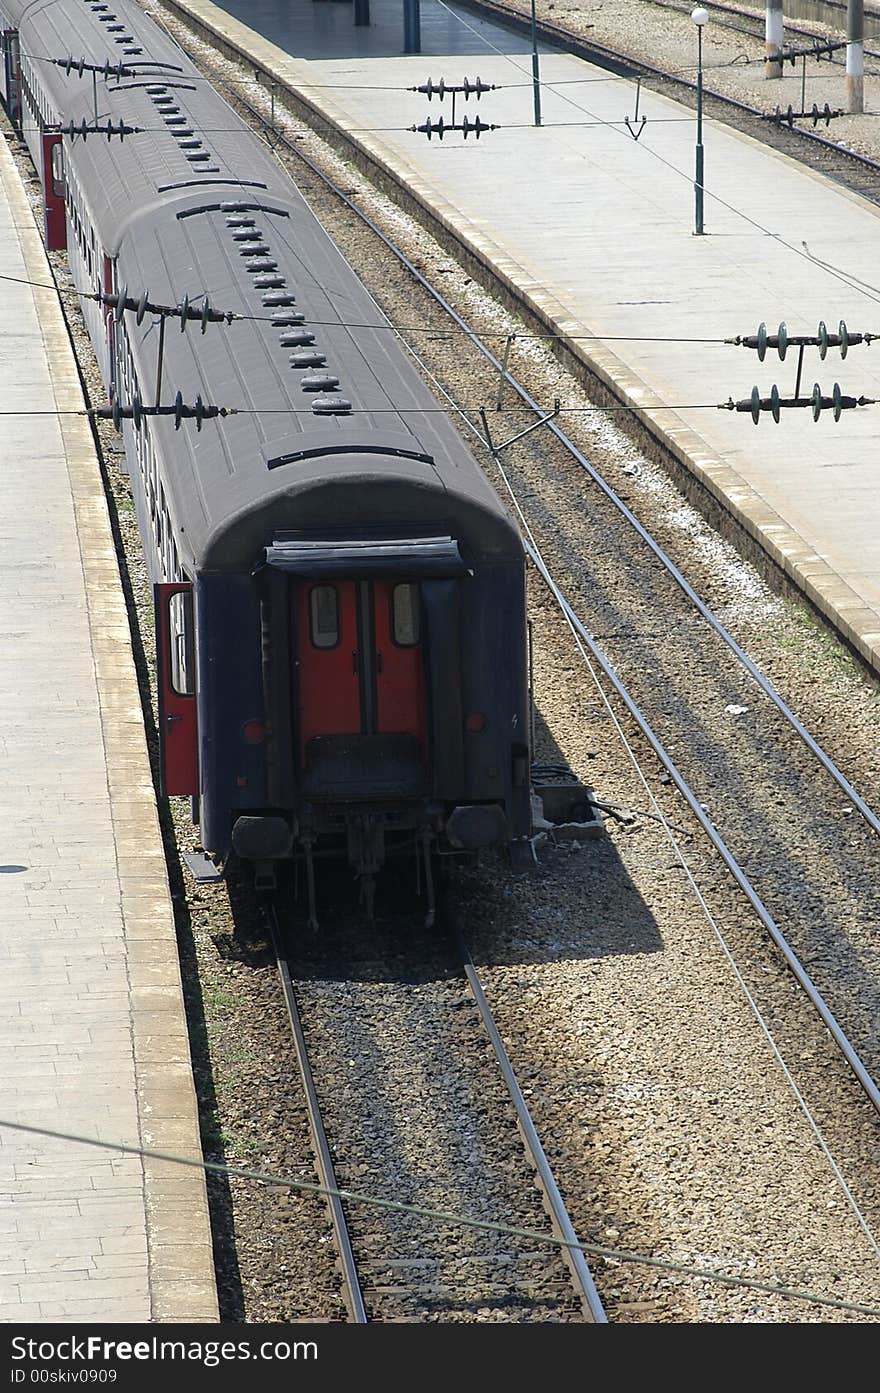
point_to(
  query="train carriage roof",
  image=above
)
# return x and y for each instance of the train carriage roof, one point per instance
(279, 460)
(167, 219)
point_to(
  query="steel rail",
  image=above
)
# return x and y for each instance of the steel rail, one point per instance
(351, 1287)
(766, 686)
(562, 1225)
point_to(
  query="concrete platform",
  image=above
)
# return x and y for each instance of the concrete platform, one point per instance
(599, 238)
(93, 1037)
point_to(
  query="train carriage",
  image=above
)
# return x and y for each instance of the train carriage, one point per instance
(340, 594)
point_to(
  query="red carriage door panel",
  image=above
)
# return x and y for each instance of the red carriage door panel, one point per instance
(53, 191)
(175, 653)
(399, 664)
(328, 664)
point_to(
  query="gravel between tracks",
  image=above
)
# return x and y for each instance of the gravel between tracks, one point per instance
(671, 1128)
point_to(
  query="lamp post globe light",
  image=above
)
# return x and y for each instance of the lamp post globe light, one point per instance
(699, 17)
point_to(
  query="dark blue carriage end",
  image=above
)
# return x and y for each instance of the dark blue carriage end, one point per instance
(480, 825)
(262, 838)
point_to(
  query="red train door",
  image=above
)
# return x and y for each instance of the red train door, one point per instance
(55, 222)
(360, 663)
(328, 660)
(175, 653)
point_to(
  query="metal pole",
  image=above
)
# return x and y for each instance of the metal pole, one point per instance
(698, 183)
(412, 26)
(855, 55)
(773, 36)
(536, 80)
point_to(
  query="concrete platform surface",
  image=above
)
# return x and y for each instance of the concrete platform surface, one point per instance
(597, 231)
(93, 1038)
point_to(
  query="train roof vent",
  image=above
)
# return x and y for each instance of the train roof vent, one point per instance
(250, 248)
(279, 298)
(238, 220)
(197, 156)
(318, 382)
(271, 283)
(244, 234)
(182, 132)
(298, 338)
(308, 358)
(130, 52)
(115, 28)
(264, 264)
(331, 406)
(285, 319)
(172, 121)
(157, 90)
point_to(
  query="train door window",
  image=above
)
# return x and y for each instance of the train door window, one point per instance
(405, 616)
(324, 616)
(58, 169)
(180, 619)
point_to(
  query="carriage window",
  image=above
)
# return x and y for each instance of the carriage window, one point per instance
(405, 617)
(324, 616)
(180, 623)
(58, 169)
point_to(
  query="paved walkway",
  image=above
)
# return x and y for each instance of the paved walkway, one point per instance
(597, 230)
(92, 1032)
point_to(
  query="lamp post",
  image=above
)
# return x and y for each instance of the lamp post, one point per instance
(699, 16)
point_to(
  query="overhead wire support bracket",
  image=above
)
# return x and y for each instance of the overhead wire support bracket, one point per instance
(181, 411)
(204, 314)
(502, 376)
(789, 116)
(467, 127)
(782, 340)
(81, 131)
(818, 49)
(105, 70)
(836, 402)
(844, 339)
(469, 88)
(495, 449)
(635, 127)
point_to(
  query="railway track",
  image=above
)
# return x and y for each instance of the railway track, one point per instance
(411, 1266)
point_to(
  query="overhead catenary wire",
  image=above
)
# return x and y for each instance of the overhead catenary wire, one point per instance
(618, 1255)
